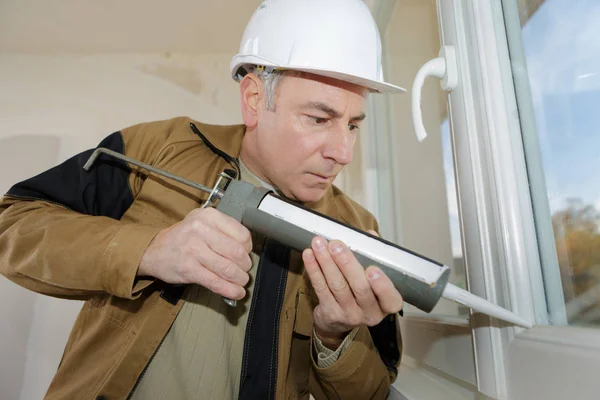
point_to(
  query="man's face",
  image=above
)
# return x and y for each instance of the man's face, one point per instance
(305, 141)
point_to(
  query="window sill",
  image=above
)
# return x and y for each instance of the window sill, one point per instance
(439, 342)
(417, 381)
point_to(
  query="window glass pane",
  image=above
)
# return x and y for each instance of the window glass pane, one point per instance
(424, 191)
(561, 49)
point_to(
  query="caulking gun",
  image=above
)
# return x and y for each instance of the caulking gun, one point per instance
(420, 280)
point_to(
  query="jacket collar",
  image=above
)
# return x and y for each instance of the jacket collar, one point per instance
(227, 138)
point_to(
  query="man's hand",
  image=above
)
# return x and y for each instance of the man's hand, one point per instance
(349, 295)
(207, 248)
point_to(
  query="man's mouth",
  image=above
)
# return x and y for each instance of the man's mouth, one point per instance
(323, 178)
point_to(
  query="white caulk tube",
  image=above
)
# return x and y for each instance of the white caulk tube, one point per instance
(420, 280)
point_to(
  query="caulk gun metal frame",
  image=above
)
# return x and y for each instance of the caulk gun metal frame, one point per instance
(420, 280)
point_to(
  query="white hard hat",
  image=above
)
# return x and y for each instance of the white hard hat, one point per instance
(333, 38)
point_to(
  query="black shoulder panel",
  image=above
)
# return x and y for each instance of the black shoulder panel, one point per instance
(102, 191)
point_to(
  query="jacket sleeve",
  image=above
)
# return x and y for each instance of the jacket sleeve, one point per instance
(366, 369)
(60, 231)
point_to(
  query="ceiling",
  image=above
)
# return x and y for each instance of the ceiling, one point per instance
(99, 26)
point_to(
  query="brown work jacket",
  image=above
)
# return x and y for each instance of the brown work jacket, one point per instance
(78, 234)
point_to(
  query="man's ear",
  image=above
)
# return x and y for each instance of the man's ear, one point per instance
(251, 94)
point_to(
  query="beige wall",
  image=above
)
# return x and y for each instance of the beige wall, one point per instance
(18, 306)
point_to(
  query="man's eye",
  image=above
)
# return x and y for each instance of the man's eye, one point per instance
(319, 120)
(354, 127)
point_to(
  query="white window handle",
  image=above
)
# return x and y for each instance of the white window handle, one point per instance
(443, 67)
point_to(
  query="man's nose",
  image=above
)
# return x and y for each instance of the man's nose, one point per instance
(340, 146)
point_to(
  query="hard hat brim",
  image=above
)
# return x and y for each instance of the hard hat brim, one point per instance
(372, 85)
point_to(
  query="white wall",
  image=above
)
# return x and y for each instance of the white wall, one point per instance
(53, 106)
(18, 306)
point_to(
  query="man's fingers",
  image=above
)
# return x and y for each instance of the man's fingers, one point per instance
(218, 285)
(354, 274)
(389, 298)
(221, 266)
(335, 278)
(317, 279)
(229, 226)
(236, 230)
(229, 248)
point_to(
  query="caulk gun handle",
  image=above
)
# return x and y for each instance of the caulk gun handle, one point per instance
(413, 291)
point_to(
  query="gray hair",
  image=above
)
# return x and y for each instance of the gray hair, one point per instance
(271, 79)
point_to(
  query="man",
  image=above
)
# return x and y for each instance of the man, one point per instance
(153, 266)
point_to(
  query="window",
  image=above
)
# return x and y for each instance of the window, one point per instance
(517, 139)
(557, 83)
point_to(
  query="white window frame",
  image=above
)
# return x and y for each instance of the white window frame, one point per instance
(499, 237)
